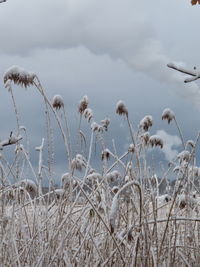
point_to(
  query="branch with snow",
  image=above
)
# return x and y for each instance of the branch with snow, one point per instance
(194, 73)
(11, 140)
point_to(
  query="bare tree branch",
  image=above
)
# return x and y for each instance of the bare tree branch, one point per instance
(194, 73)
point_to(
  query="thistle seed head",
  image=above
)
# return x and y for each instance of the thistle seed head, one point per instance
(146, 123)
(57, 102)
(168, 115)
(83, 104)
(121, 108)
(19, 76)
(156, 140)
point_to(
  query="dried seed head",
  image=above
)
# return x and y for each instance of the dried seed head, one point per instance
(95, 127)
(112, 176)
(184, 156)
(105, 123)
(121, 108)
(156, 140)
(19, 76)
(190, 143)
(65, 180)
(145, 138)
(57, 102)
(83, 104)
(115, 189)
(131, 148)
(194, 171)
(29, 185)
(88, 114)
(146, 123)
(78, 162)
(105, 154)
(168, 115)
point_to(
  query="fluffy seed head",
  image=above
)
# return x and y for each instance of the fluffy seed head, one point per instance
(19, 76)
(57, 102)
(121, 108)
(83, 104)
(78, 162)
(168, 115)
(145, 138)
(184, 156)
(88, 114)
(156, 140)
(95, 127)
(105, 154)
(105, 123)
(146, 123)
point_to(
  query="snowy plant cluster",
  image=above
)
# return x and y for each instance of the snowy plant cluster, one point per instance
(122, 214)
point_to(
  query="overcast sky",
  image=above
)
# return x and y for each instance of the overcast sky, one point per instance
(108, 50)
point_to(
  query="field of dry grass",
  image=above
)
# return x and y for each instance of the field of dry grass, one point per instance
(115, 217)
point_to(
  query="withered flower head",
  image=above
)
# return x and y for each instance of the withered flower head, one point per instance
(121, 108)
(19, 76)
(168, 115)
(57, 102)
(83, 104)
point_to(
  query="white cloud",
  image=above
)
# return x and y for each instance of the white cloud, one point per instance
(170, 142)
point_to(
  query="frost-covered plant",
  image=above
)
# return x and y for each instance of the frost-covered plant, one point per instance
(57, 102)
(146, 122)
(168, 115)
(121, 108)
(156, 140)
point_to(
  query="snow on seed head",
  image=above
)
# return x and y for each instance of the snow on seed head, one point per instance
(190, 143)
(19, 76)
(146, 123)
(115, 189)
(65, 180)
(29, 185)
(57, 102)
(156, 140)
(95, 127)
(112, 176)
(88, 114)
(105, 123)
(168, 115)
(105, 154)
(78, 162)
(131, 148)
(145, 138)
(184, 156)
(121, 108)
(83, 104)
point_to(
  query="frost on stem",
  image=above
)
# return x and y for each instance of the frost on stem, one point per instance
(83, 104)
(190, 143)
(88, 114)
(57, 102)
(121, 108)
(156, 140)
(168, 115)
(19, 76)
(146, 123)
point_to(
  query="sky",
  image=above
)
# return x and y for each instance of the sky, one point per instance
(109, 50)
